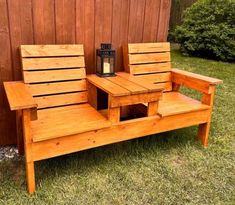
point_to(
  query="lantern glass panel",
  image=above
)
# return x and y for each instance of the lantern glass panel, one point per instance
(98, 65)
(111, 60)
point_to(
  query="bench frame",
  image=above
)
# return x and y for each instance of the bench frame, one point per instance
(21, 100)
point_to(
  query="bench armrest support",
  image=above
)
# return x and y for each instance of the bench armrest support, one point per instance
(197, 82)
(19, 96)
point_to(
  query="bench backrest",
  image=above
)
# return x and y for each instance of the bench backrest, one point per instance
(55, 74)
(150, 61)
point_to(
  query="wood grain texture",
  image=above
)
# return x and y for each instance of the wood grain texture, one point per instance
(53, 75)
(52, 63)
(122, 131)
(60, 100)
(55, 88)
(52, 124)
(19, 96)
(51, 50)
(44, 21)
(107, 86)
(65, 21)
(136, 20)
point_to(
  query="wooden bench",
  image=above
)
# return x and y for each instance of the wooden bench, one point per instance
(151, 62)
(56, 103)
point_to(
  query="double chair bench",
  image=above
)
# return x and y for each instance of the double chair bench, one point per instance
(56, 103)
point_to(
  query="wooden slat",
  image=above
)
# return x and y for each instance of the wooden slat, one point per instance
(53, 88)
(148, 47)
(59, 122)
(150, 68)
(50, 63)
(107, 86)
(173, 103)
(131, 86)
(44, 31)
(155, 78)
(152, 10)
(149, 58)
(136, 20)
(167, 86)
(51, 50)
(58, 100)
(53, 75)
(19, 96)
(65, 21)
(135, 99)
(150, 86)
(122, 131)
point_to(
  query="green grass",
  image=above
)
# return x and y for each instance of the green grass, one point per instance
(168, 168)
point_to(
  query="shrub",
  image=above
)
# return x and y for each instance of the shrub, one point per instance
(208, 30)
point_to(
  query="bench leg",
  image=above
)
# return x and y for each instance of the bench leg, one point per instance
(204, 129)
(30, 175)
(29, 163)
(203, 133)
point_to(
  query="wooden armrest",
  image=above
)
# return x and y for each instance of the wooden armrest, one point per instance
(107, 86)
(19, 96)
(194, 81)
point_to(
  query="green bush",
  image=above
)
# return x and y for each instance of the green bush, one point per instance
(208, 30)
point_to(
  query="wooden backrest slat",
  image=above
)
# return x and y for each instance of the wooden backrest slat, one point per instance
(150, 68)
(149, 61)
(148, 47)
(55, 74)
(58, 100)
(149, 58)
(57, 87)
(52, 63)
(51, 50)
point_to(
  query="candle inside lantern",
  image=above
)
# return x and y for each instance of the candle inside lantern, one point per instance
(106, 66)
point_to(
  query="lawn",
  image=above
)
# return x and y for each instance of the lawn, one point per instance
(168, 168)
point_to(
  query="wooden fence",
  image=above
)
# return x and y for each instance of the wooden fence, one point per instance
(72, 21)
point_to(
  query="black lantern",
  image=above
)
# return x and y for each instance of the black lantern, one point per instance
(105, 60)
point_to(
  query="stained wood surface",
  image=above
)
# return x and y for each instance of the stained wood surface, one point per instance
(52, 63)
(122, 131)
(149, 62)
(188, 76)
(68, 120)
(53, 75)
(51, 50)
(57, 87)
(107, 86)
(19, 96)
(140, 81)
(73, 22)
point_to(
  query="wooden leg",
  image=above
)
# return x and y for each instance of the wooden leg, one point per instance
(203, 133)
(30, 176)
(19, 132)
(114, 114)
(204, 129)
(152, 108)
(92, 95)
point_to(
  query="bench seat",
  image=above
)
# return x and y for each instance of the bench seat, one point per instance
(67, 120)
(173, 103)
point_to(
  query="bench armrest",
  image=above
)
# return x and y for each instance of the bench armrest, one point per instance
(195, 81)
(19, 96)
